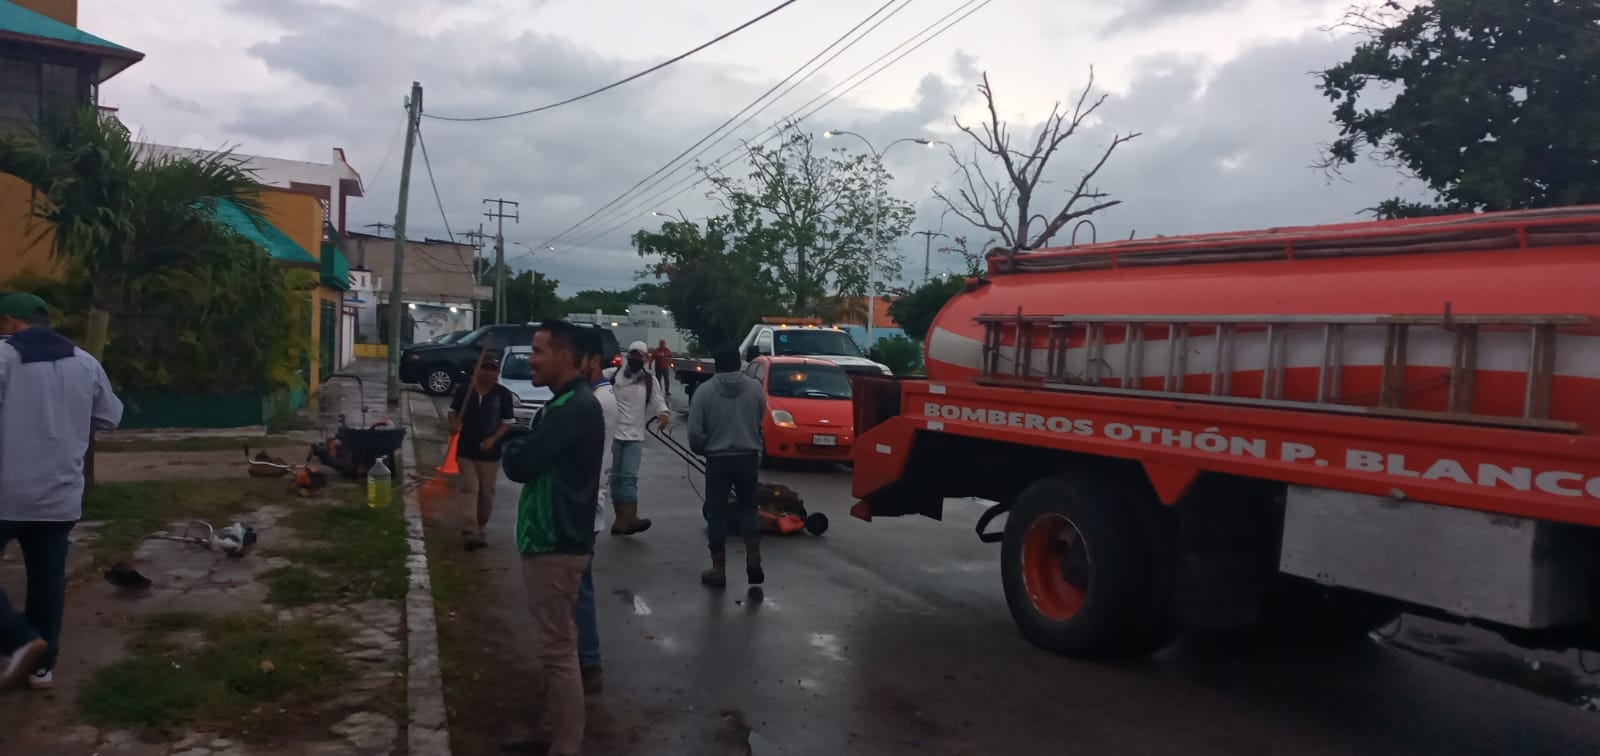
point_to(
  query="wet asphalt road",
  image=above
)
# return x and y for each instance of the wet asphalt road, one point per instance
(893, 637)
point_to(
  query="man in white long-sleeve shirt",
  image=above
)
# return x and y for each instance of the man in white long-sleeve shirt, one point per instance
(588, 623)
(638, 400)
(51, 394)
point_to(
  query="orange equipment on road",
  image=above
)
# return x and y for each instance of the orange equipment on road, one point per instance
(1310, 426)
(450, 467)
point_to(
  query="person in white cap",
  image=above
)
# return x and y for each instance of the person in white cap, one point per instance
(638, 400)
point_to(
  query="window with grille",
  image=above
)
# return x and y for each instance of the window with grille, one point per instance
(31, 90)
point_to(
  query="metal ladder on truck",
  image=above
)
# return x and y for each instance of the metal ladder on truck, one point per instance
(1009, 359)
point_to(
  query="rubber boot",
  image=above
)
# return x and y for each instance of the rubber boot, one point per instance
(717, 576)
(628, 520)
(752, 561)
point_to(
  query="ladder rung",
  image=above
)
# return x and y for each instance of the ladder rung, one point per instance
(1463, 370)
(1222, 372)
(1393, 387)
(1177, 356)
(1133, 355)
(1541, 372)
(1331, 373)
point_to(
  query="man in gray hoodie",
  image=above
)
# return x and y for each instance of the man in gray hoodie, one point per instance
(725, 426)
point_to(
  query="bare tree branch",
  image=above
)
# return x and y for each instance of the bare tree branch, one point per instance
(1005, 207)
(1067, 214)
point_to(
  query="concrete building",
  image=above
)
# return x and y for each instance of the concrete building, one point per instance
(309, 201)
(440, 292)
(647, 323)
(47, 67)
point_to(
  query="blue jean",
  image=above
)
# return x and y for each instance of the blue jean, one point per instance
(625, 459)
(588, 623)
(44, 554)
(738, 473)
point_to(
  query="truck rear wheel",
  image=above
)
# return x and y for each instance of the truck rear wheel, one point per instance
(1077, 568)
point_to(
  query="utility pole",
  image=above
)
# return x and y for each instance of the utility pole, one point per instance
(396, 305)
(500, 217)
(927, 247)
(476, 238)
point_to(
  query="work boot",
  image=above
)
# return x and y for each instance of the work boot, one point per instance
(593, 680)
(717, 576)
(752, 561)
(628, 520)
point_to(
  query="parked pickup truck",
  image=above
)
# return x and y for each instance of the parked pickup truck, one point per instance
(441, 368)
(786, 337)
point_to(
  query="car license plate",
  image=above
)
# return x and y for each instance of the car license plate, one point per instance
(825, 440)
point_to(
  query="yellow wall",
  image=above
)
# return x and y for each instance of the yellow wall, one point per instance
(65, 11)
(22, 250)
(299, 217)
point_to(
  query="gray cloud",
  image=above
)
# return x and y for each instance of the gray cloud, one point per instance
(1221, 150)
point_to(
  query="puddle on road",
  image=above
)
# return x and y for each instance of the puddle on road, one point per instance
(1548, 678)
(829, 645)
(640, 607)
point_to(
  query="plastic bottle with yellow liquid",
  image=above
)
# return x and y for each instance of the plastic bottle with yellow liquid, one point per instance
(380, 486)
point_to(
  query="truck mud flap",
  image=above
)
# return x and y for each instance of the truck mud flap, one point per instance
(987, 517)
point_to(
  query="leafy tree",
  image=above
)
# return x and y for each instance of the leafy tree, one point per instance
(591, 300)
(531, 297)
(714, 288)
(192, 305)
(1006, 207)
(817, 224)
(973, 259)
(900, 354)
(916, 310)
(1496, 102)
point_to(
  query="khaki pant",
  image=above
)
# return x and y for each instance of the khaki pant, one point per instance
(552, 583)
(479, 477)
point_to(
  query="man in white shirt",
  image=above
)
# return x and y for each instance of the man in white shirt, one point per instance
(638, 400)
(588, 623)
(51, 394)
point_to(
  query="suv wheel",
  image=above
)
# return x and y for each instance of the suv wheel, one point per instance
(440, 380)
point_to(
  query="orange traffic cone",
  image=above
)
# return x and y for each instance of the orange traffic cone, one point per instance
(450, 467)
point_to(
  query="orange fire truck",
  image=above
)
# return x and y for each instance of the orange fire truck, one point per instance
(1300, 430)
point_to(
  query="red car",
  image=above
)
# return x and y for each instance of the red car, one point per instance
(809, 412)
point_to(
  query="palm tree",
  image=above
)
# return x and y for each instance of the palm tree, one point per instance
(138, 232)
(118, 211)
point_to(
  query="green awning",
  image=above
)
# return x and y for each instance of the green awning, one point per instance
(24, 25)
(267, 236)
(335, 268)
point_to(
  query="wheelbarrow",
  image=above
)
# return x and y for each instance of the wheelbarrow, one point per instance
(352, 451)
(780, 508)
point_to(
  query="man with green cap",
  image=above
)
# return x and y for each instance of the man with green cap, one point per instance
(51, 394)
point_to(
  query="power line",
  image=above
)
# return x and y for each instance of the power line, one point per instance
(615, 84)
(690, 182)
(428, 164)
(724, 124)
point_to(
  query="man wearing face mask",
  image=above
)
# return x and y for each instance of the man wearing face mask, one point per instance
(638, 400)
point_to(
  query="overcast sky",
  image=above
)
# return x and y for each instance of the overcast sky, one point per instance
(1222, 90)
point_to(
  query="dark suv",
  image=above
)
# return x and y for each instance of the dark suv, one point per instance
(440, 368)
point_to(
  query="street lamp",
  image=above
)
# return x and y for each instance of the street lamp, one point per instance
(877, 210)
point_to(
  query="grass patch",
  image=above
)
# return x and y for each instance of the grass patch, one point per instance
(195, 444)
(357, 553)
(248, 668)
(451, 577)
(132, 511)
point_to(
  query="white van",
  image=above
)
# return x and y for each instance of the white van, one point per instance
(516, 375)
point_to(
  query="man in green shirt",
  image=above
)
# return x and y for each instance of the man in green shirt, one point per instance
(558, 463)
